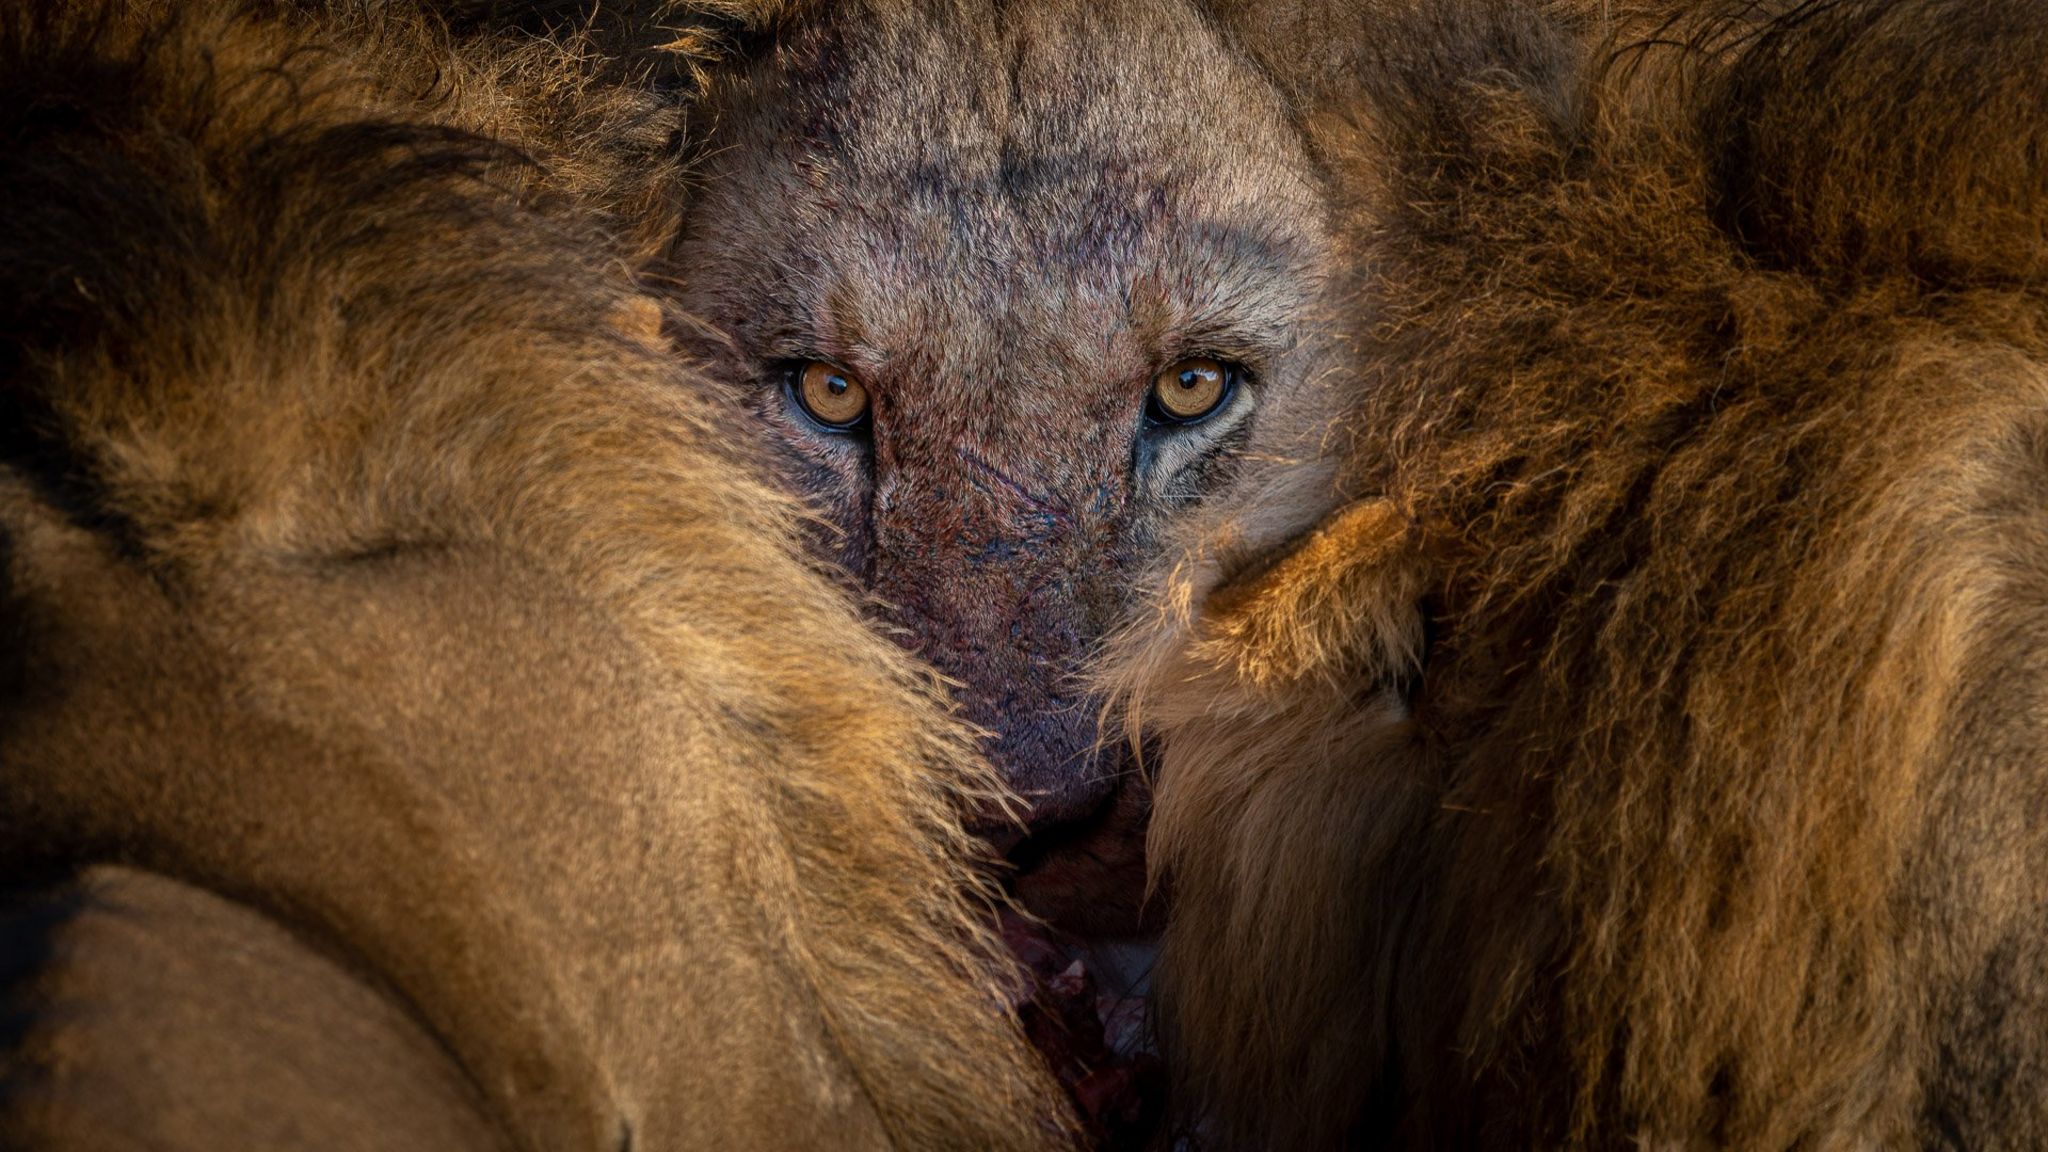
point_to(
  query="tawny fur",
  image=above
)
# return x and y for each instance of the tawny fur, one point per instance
(1006, 220)
(370, 567)
(1702, 375)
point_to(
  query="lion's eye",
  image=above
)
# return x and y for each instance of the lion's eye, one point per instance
(829, 394)
(1191, 390)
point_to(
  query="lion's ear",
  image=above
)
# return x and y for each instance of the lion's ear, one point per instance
(1339, 603)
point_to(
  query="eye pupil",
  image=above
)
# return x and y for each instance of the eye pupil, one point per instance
(829, 395)
(1190, 391)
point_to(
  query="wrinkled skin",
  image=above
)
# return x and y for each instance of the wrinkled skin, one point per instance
(1005, 225)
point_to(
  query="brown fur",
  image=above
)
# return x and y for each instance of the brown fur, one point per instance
(1006, 219)
(1700, 387)
(379, 601)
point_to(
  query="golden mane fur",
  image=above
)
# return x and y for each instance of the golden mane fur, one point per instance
(1647, 752)
(369, 563)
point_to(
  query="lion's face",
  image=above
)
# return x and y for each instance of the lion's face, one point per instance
(1009, 294)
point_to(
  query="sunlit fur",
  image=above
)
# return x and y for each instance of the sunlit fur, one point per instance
(1668, 768)
(377, 595)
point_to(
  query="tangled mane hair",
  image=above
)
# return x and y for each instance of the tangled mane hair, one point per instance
(295, 331)
(1646, 748)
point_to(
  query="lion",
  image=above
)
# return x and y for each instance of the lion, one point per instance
(1643, 746)
(421, 725)
(1006, 290)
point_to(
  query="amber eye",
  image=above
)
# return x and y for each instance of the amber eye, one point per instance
(829, 394)
(1190, 390)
